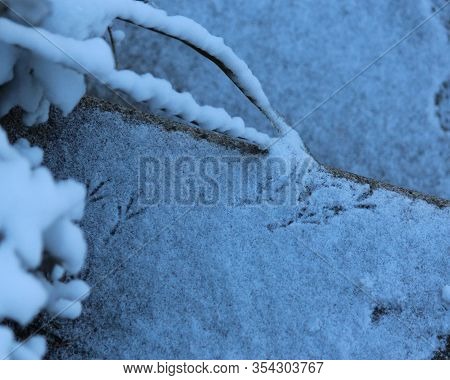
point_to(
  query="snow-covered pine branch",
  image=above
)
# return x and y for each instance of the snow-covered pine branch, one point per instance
(37, 222)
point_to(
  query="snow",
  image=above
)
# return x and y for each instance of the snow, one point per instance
(22, 294)
(33, 154)
(8, 60)
(64, 240)
(383, 125)
(68, 43)
(347, 270)
(194, 34)
(33, 349)
(344, 269)
(118, 35)
(446, 293)
(29, 11)
(51, 75)
(37, 213)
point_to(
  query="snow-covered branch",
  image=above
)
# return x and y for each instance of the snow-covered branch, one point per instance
(37, 219)
(212, 47)
(63, 27)
(94, 56)
(47, 47)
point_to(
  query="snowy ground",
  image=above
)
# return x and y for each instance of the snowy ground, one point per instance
(348, 270)
(392, 123)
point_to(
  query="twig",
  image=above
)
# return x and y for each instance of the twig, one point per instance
(113, 46)
(271, 115)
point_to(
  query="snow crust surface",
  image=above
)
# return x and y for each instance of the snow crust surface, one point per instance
(346, 271)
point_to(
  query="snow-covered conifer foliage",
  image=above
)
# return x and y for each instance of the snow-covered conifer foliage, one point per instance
(40, 245)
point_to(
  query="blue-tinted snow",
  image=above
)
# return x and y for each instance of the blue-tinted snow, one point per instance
(384, 125)
(346, 271)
